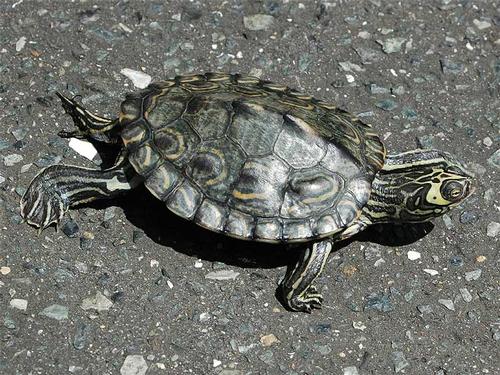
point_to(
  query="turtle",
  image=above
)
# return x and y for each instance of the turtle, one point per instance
(253, 160)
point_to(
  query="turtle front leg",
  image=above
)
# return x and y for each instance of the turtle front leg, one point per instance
(56, 188)
(89, 125)
(297, 290)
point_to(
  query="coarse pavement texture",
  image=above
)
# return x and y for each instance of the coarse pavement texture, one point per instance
(126, 287)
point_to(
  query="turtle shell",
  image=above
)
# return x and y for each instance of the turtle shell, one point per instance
(250, 158)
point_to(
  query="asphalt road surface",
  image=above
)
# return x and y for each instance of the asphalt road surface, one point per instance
(128, 287)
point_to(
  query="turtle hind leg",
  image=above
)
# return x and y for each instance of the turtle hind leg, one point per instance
(297, 290)
(89, 125)
(58, 187)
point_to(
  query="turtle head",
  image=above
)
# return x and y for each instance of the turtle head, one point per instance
(417, 186)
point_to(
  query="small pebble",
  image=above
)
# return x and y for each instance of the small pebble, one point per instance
(12, 159)
(413, 255)
(86, 240)
(222, 275)
(451, 67)
(487, 142)
(399, 361)
(216, 363)
(387, 104)
(21, 42)
(20, 304)
(19, 133)
(351, 370)
(57, 312)
(198, 264)
(424, 309)
(139, 79)
(268, 340)
(431, 271)
(392, 45)
(359, 325)
(447, 221)
(480, 259)
(448, 303)
(97, 302)
(473, 275)
(4, 270)
(494, 159)
(481, 25)
(84, 148)
(258, 22)
(134, 365)
(468, 217)
(70, 228)
(466, 296)
(493, 229)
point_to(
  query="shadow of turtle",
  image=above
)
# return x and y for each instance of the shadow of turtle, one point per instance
(146, 213)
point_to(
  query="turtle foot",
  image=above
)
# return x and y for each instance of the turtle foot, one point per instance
(42, 206)
(307, 301)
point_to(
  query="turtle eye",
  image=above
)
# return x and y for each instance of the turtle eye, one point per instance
(452, 191)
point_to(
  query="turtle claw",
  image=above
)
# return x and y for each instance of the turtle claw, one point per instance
(307, 301)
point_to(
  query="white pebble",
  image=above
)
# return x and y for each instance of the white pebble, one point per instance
(84, 148)
(139, 79)
(487, 142)
(97, 302)
(198, 264)
(413, 255)
(493, 229)
(481, 25)
(134, 365)
(21, 42)
(359, 325)
(222, 275)
(350, 78)
(351, 370)
(5, 270)
(431, 271)
(20, 304)
(448, 303)
(217, 363)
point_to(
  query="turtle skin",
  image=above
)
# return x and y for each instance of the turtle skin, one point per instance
(249, 158)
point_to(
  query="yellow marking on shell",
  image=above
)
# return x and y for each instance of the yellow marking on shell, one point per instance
(190, 78)
(320, 198)
(165, 84)
(275, 87)
(248, 91)
(207, 86)
(223, 175)
(122, 117)
(248, 80)
(135, 139)
(152, 105)
(147, 156)
(303, 105)
(306, 127)
(326, 105)
(180, 142)
(248, 196)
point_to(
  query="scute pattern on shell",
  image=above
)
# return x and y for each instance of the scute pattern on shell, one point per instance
(250, 158)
